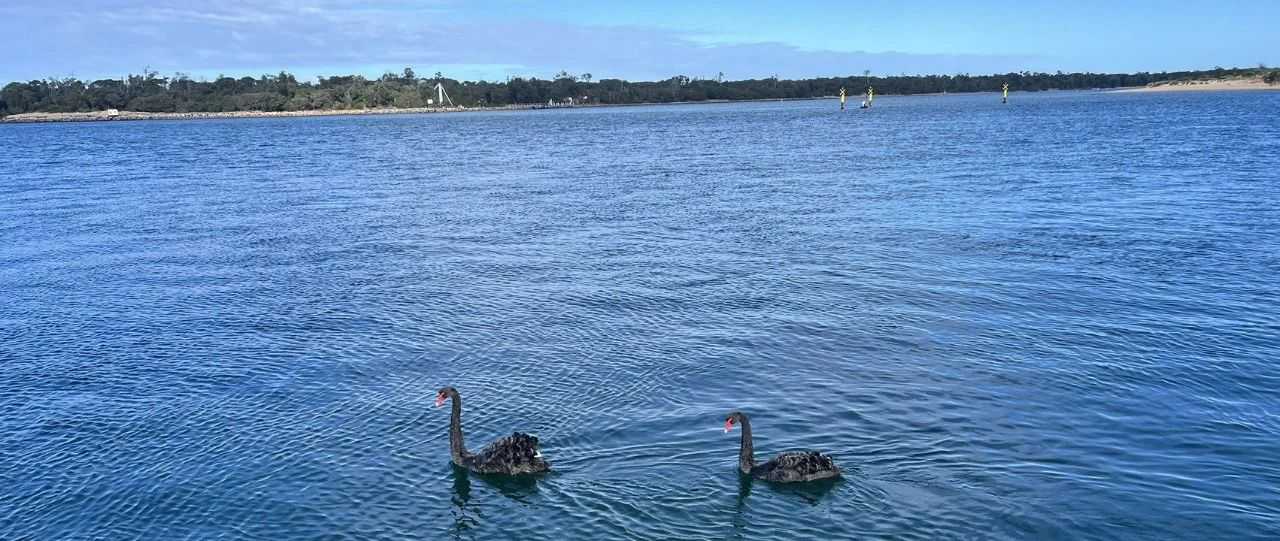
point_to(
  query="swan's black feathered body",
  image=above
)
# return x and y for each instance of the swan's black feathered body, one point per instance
(513, 455)
(796, 467)
(516, 454)
(793, 467)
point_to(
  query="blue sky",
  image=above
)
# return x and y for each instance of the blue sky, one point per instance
(492, 39)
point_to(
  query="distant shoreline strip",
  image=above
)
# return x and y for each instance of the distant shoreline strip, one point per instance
(129, 116)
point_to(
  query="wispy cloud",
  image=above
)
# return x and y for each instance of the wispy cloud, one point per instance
(107, 38)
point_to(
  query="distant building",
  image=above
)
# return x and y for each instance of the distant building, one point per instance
(112, 113)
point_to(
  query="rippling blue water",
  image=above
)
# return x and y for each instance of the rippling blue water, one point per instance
(1053, 319)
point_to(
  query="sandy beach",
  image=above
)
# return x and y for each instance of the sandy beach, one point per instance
(1191, 86)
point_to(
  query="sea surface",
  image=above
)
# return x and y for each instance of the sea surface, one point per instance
(1053, 319)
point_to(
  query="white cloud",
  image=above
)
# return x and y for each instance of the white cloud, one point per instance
(307, 36)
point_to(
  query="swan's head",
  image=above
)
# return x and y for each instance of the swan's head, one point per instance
(444, 394)
(732, 419)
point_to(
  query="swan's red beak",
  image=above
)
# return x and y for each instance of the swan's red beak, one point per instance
(728, 425)
(439, 400)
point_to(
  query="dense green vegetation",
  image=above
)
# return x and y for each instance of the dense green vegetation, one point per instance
(151, 92)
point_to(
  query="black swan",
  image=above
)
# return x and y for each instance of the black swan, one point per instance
(513, 455)
(793, 467)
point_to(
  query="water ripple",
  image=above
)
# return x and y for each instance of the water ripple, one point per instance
(235, 329)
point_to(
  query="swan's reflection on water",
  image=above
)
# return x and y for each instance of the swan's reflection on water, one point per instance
(812, 492)
(520, 488)
(744, 490)
(462, 521)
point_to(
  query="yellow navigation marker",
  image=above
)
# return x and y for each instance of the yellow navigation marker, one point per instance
(1005, 97)
(842, 98)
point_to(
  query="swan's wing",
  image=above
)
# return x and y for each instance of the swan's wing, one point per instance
(803, 464)
(517, 453)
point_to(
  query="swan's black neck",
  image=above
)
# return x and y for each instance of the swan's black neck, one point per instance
(746, 458)
(457, 449)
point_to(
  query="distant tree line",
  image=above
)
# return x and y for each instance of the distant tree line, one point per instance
(151, 92)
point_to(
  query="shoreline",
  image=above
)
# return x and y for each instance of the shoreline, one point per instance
(135, 116)
(1255, 84)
